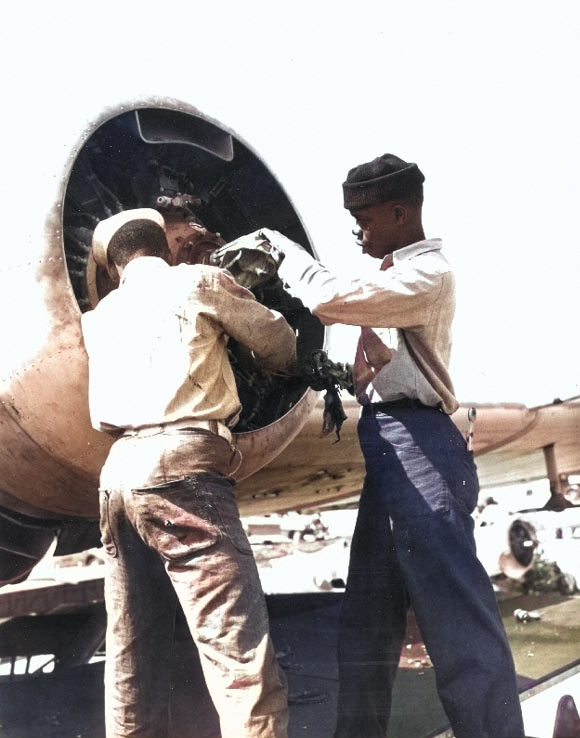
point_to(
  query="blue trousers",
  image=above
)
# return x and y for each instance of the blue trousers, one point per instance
(413, 545)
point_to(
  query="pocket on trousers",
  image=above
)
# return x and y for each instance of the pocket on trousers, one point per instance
(177, 519)
(106, 529)
(465, 481)
(229, 515)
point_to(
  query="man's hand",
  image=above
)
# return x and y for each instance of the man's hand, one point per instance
(251, 259)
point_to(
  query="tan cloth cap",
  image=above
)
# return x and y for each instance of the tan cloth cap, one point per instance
(107, 228)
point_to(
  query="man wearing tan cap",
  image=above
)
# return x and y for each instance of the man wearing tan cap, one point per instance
(160, 381)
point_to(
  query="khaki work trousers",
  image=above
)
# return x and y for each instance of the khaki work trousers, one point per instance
(172, 533)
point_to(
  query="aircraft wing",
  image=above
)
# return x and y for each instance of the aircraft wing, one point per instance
(511, 443)
(142, 154)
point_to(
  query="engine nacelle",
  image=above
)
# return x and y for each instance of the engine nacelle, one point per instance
(523, 542)
(50, 457)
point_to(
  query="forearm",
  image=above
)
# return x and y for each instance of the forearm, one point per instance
(273, 343)
(308, 280)
(398, 298)
(383, 302)
(263, 331)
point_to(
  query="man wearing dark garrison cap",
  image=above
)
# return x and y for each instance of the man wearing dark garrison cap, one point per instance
(413, 544)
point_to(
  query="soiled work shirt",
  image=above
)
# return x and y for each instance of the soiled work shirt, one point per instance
(416, 294)
(157, 345)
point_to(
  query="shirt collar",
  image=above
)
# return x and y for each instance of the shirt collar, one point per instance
(142, 265)
(417, 248)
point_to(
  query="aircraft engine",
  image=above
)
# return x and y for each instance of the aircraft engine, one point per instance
(136, 155)
(523, 543)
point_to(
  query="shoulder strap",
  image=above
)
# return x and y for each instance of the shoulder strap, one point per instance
(434, 371)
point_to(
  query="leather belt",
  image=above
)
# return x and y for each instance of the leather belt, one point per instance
(213, 426)
(405, 403)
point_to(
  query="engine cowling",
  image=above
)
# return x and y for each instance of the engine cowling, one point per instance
(50, 457)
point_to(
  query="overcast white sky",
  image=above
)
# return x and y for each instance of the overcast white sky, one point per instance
(482, 95)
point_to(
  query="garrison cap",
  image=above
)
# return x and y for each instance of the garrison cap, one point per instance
(107, 228)
(380, 180)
